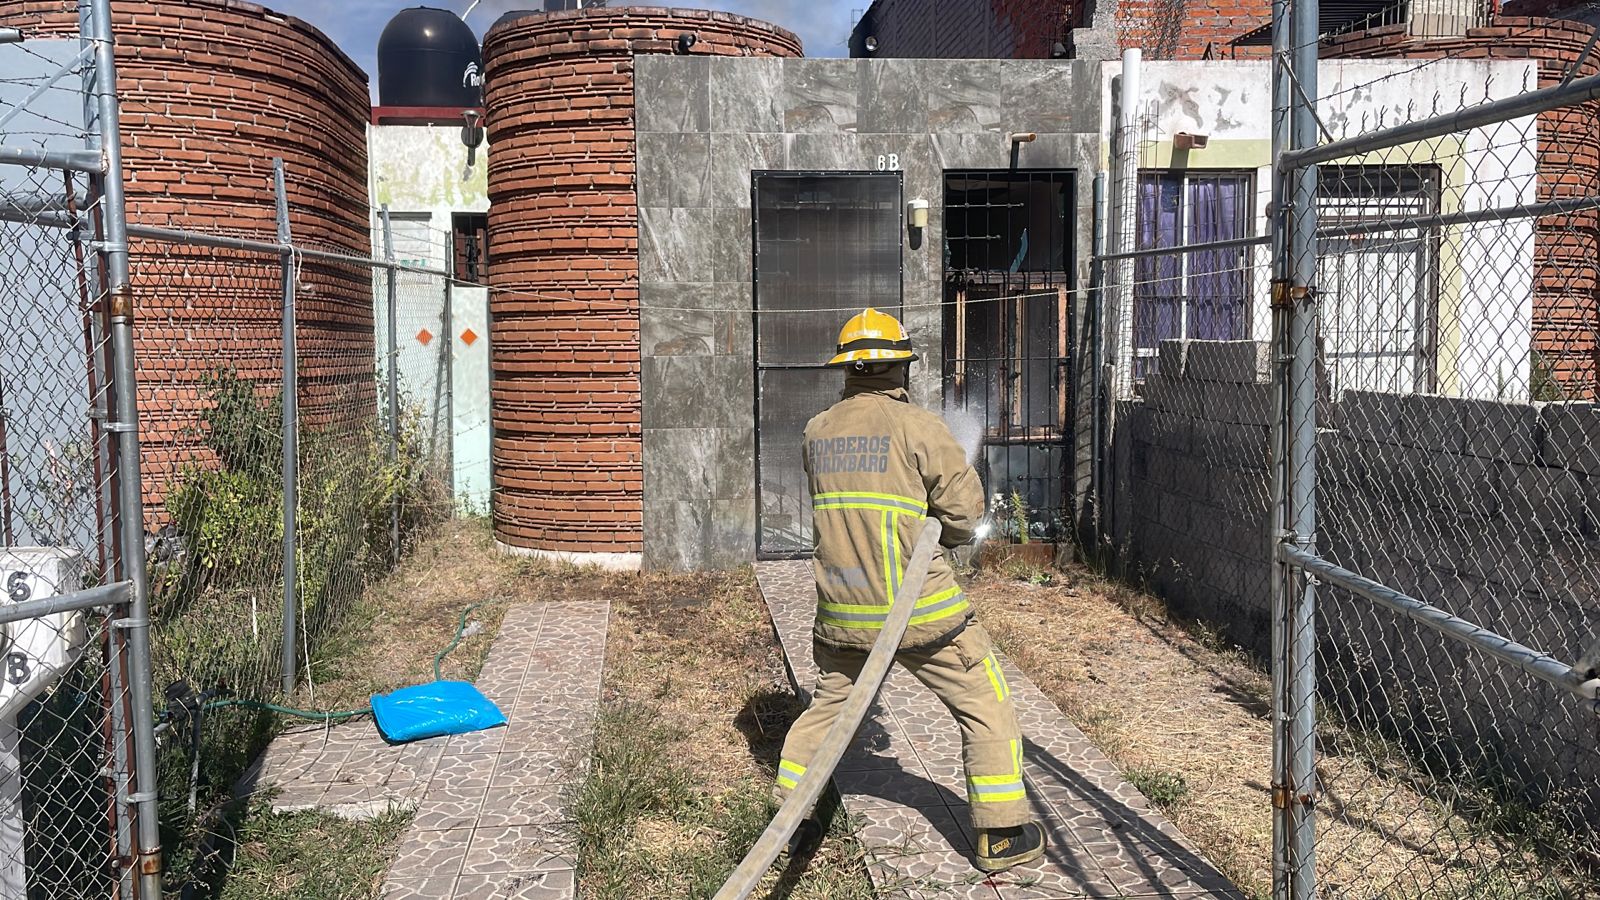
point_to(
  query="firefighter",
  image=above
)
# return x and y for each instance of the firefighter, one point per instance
(877, 465)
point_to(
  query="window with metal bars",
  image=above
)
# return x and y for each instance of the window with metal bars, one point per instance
(470, 232)
(1379, 291)
(1203, 295)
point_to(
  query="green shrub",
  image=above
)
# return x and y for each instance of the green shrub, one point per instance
(219, 602)
(1162, 788)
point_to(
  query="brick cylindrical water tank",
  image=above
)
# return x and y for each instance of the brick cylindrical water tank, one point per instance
(211, 91)
(564, 271)
(1566, 248)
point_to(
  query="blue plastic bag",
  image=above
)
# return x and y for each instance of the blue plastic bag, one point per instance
(433, 709)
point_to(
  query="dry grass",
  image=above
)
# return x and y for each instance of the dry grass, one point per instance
(692, 718)
(389, 640)
(1155, 698)
(694, 682)
(1170, 702)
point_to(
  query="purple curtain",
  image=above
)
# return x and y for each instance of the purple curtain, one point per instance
(1218, 280)
(1158, 280)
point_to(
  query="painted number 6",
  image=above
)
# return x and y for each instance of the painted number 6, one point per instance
(17, 587)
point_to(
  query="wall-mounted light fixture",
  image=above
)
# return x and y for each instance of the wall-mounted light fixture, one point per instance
(472, 138)
(1183, 140)
(871, 43)
(686, 42)
(916, 221)
(917, 214)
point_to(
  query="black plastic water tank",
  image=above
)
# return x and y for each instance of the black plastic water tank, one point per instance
(429, 57)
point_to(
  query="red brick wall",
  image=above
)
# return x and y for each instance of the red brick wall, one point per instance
(211, 90)
(563, 240)
(1028, 29)
(1566, 312)
(1190, 29)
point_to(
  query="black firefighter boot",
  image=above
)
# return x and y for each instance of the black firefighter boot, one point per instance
(1000, 849)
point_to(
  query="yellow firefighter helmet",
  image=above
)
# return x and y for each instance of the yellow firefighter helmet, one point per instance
(872, 337)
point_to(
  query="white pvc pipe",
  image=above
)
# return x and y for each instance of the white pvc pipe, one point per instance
(1125, 217)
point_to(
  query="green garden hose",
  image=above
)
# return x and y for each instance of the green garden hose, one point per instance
(460, 630)
(337, 716)
(343, 715)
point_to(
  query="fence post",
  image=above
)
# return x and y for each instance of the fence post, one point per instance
(118, 732)
(1277, 520)
(1299, 302)
(1097, 404)
(392, 355)
(125, 428)
(1123, 237)
(290, 393)
(450, 362)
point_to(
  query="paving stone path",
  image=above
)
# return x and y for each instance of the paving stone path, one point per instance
(903, 787)
(489, 822)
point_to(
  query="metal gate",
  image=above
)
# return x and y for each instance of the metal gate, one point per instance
(826, 245)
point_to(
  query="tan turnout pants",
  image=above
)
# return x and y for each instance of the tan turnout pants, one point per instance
(965, 675)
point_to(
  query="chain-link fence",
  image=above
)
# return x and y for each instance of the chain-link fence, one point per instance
(295, 431)
(76, 726)
(63, 695)
(1355, 425)
(281, 478)
(1438, 596)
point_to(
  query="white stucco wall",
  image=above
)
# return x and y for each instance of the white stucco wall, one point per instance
(418, 171)
(1485, 272)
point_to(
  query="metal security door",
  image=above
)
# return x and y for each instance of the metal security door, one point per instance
(826, 245)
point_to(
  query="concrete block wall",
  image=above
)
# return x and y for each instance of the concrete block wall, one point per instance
(1488, 510)
(211, 91)
(1192, 502)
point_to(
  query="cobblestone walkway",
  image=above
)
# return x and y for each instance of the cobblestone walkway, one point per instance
(903, 787)
(489, 821)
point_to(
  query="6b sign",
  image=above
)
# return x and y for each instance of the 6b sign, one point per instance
(33, 652)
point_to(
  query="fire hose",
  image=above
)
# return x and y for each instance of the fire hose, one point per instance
(820, 768)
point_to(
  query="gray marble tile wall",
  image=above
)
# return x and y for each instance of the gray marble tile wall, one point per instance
(703, 126)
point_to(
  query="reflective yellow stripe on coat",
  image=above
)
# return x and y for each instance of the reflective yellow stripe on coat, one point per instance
(935, 606)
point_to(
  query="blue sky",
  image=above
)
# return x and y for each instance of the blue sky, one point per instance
(824, 25)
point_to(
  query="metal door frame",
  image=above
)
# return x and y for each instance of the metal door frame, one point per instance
(755, 310)
(1063, 383)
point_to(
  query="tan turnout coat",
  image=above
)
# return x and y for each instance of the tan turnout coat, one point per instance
(876, 465)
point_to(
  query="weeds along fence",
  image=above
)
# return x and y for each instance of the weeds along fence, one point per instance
(210, 444)
(298, 434)
(1359, 428)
